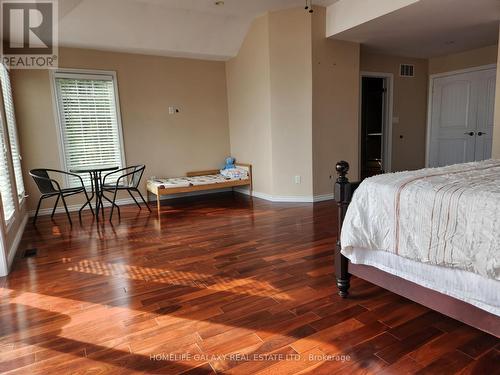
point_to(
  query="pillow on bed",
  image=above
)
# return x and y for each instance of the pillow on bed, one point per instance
(235, 173)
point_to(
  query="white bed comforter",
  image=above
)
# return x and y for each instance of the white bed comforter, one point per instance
(447, 216)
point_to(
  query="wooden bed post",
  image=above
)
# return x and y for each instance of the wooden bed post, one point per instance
(343, 192)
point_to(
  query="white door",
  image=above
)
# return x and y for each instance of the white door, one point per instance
(462, 118)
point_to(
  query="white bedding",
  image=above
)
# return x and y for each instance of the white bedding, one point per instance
(448, 217)
(465, 286)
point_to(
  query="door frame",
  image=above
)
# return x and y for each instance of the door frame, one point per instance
(430, 93)
(388, 113)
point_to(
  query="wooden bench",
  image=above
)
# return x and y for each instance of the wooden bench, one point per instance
(158, 191)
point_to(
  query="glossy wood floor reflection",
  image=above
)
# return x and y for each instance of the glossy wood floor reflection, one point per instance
(219, 284)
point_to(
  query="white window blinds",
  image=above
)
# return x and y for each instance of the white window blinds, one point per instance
(12, 129)
(5, 184)
(88, 114)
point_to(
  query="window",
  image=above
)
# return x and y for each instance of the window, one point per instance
(8, 103)
(89, 118)
(5, 182)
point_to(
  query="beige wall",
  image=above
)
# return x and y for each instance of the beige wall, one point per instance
(335, 105)
(409, 105)
(496, 129)
(312, 118)
(249, 104)
(270, 110)
(291, 101)
(464, 60)
(195, 139)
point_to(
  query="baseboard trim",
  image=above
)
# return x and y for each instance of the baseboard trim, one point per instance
(125, 201)
(14, 248)
(286, 199)
(152, 197)
(323, 197)
(256, 194)
(76, 207)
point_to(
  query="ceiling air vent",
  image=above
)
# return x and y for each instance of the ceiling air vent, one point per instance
(407, 70)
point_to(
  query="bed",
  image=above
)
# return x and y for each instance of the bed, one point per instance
(199, 181)
(432, 236)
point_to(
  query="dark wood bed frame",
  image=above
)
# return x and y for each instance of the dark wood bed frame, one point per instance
(442, 303)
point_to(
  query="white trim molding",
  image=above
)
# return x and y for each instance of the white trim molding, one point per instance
(286, 199)
(461, 71)
(14, 247)
(323, 197)
(8, 255)
(283, 198)
(56, 108)
(126, 201)
(193, 194)
(256, 194)
(76, 207)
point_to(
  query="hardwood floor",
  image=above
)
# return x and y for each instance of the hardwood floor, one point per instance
(221, 284)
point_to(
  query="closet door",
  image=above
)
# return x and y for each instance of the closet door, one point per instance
(462, 118)
(453, 120)
(485, 113)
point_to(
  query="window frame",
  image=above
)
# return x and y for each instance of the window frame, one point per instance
(21, 199)
(4, 138)
(84, 74)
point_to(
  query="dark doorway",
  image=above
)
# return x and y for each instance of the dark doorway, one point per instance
(373, 96)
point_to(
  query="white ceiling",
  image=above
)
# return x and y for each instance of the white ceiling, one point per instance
(183, 28)
(233, 7)
(430, 28)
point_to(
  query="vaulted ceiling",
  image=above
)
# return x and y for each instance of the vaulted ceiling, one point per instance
(183, 28)
(202, 29)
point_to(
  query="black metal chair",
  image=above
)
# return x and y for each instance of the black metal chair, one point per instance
(129, 180)
(49, 187)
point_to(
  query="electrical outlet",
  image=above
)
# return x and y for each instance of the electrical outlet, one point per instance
(297, 179)
(173, 110)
